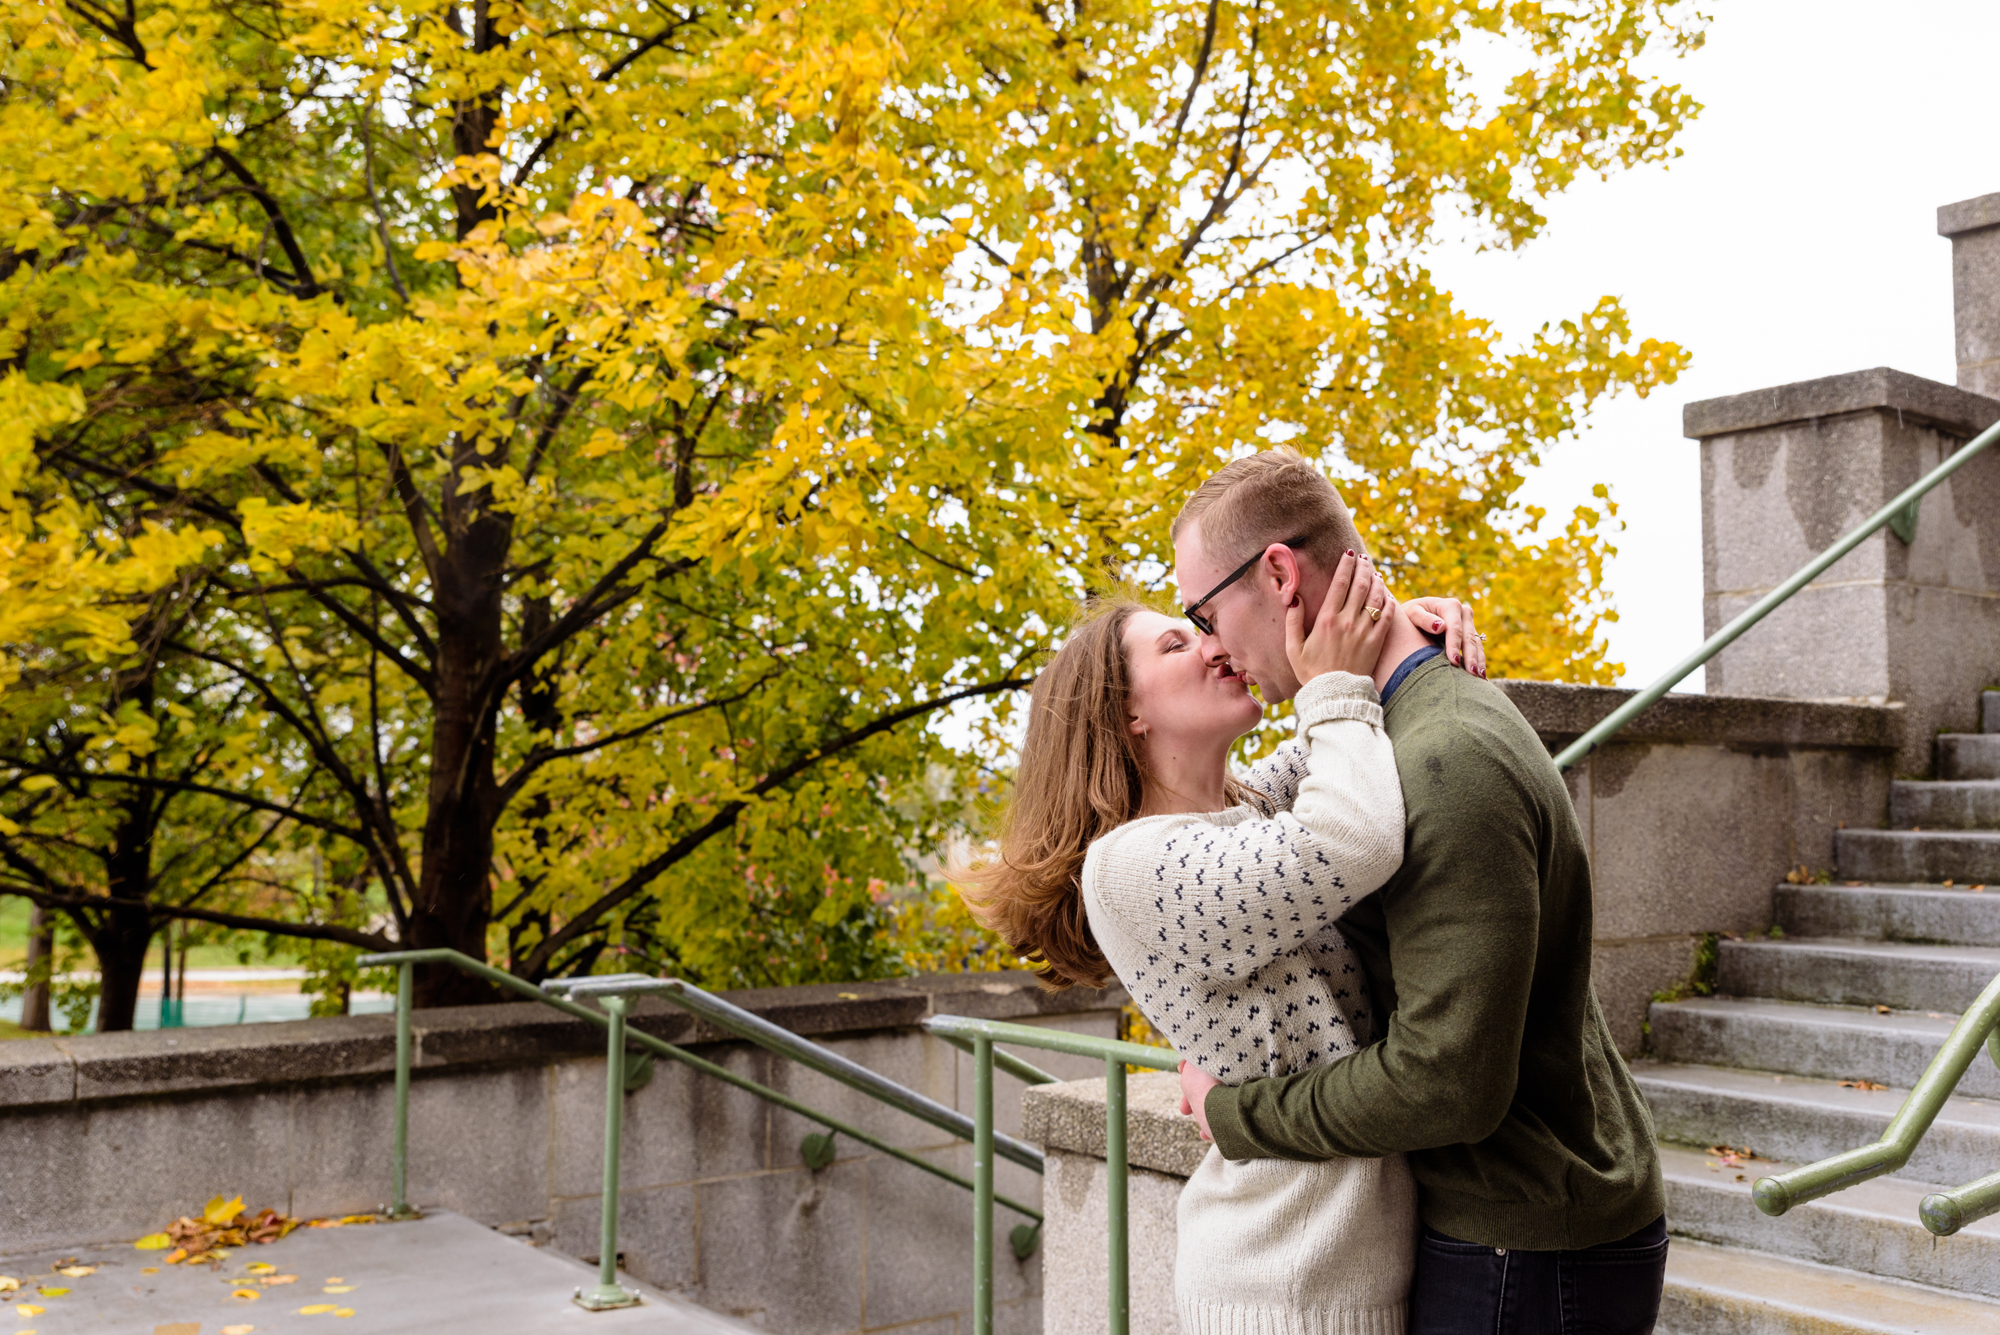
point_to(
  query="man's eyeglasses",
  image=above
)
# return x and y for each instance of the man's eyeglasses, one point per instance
(1193, 610)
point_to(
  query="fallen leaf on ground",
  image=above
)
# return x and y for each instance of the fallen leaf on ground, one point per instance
(77, 1271)
(179, 1328)
(149, 1270)
(48, 1292)
(317, 1309)
(8, 1283)
(29, 1331)
(1883, 1010)
(29, 1309)
(219, 1211)
(335, 1279)
(237, 1330)
(345, 1311)
(154, 1242)
(338, 1288)
(245, 1293)
(177, 1255)
(281, 1279)
(1869, 1085)
(260, 1267)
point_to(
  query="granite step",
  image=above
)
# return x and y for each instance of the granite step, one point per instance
(1797, 1038)
(1928, 913)
(1721, 1291)
(1900, 975)
(1871, 1227)
(1964, 804)
(1989, 711)
(1969, 755)
(1801, 1119)
(1918, 855)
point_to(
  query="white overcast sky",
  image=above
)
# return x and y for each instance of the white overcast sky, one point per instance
(1795, 238)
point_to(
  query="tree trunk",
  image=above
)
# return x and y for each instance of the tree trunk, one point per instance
(122, 935)
(41, 952)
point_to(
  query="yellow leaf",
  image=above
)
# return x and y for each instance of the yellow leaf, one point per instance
(260, 1267)
(281, 1279)
(154, 1242)
(338, 1288)
(176, 1256)
(29, 1309)
(250, 1294)
(344, 1311)
(237, 1330)
(220, 1211)
(48, 1292)
(149, 1270)
(77, 1271)
(317, 1309)
(8, 1283)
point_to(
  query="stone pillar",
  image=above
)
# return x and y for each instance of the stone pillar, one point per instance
(1785, 473)
(1974, 228)
(1164, 1149)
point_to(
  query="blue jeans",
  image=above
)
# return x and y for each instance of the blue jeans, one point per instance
(1462, 1288)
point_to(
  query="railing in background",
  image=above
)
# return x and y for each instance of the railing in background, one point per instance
(1898, 515)
(612, 991)
(981, 1035)
(1942, 1212)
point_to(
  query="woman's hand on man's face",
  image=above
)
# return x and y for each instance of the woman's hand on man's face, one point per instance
(1351, 628)
(1195, 1084)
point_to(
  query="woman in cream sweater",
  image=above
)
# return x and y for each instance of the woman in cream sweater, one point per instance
(1129, 848)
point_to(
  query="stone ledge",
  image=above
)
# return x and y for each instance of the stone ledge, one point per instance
(1881, 387)
(1968, 215)
(1070, 1116)
(36, 1072)
(1560, 713)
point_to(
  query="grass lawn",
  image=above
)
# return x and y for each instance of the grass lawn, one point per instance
(220, 955)
(8, 1029)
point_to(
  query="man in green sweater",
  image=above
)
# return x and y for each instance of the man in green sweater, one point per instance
(1538, 1177)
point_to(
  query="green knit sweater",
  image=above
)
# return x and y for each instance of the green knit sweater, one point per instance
(1497, 1075)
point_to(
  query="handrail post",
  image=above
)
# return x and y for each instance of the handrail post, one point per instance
(1117, 1188)
(982, 1185)
(399, 1170)
(609, 1293)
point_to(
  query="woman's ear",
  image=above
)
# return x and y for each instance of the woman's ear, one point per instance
(1139, 726)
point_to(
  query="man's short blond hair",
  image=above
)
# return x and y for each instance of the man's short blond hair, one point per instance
(1273, 496)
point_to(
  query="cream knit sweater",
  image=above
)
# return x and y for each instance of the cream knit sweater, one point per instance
(1221, 927)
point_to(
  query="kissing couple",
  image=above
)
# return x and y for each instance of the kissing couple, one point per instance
(1371, 951)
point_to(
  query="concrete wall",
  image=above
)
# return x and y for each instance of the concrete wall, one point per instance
(112, 1136)
(1695, 813)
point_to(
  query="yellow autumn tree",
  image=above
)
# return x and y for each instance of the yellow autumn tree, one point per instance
(594, 444)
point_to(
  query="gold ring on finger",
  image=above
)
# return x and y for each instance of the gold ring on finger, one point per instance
(1374, 613)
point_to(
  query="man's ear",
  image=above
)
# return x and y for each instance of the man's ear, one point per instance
(1279, 572)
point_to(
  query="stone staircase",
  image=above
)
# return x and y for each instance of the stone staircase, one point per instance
(1808, 1047)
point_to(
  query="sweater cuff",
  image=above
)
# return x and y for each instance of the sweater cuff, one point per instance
(1337, 695)
(1225, 1123)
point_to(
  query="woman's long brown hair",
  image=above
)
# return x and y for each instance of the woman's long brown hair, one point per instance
(1081, 775)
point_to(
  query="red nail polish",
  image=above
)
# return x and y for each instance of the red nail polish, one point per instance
(1437, 625)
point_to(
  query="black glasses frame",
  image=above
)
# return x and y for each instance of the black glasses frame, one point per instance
(1192, 611)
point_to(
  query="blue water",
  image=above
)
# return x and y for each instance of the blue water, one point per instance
(204, 1012)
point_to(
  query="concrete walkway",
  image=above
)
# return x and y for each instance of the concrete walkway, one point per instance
(440, 1273)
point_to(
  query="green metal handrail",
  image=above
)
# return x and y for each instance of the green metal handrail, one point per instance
(1116, 1055)
(1943, 1212)
(1894, 513)
(717, 1011)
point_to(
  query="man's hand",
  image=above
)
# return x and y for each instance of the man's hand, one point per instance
(1195, 1084)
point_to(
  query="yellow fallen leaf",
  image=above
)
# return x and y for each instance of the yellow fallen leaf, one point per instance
(48, 1292)
(338, 1288)
(220, 1211)
(317, 1309)
(335, 1279)
(237, 1330)
(176, 1256)
(29, 1309)
(29, 1331)
(149, 1270)
(281, 1279)
(154, 1242)
(357, 1219)
(8, 1283)
(77, 1271)
(344, 1311)
(260, 1267)
(245, 1293)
